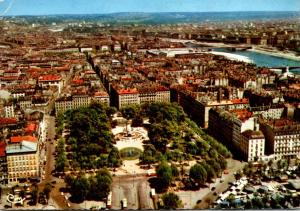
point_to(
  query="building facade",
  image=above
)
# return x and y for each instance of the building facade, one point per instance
(282, 140)
(22, 161)
(252, 145)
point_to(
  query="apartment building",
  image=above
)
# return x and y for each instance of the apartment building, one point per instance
(252, 145)
(127, 97)
(3, 163)
(239, 130)
(51, 80)
(22, 160)
(9, 110)
(282, 138)
(139, 95)
(76, 101)
(71, 102)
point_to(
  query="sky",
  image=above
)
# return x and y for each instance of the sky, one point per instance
(48, 7)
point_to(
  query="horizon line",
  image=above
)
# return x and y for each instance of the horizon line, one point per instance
(111, 13)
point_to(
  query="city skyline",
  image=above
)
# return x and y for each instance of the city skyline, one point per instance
(35, 7)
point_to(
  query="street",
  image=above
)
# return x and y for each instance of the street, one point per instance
(233, 166)
(135, 189)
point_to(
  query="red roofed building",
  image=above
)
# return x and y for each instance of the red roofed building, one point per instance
(142, 93)
(3, 163)
(31, 128)
(8, 121)
(51, 80)
(18, 139)
(282, 138)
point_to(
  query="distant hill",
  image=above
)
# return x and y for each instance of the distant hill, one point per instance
(161, 18)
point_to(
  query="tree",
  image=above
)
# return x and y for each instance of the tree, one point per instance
(114, 158)
(61, 159)
(80, 188)
(148, 156)
(171, 201)
(215, 165)
(198, 174)
(130, 111)
(137, 121)
(100, 185)
(175, 171)
(211, 174)
(192, 148)
(164, 173)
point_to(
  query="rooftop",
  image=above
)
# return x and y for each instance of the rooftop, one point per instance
(5, 121)
(2, 148)
(50, 77)
(18, 139)
(23, 147)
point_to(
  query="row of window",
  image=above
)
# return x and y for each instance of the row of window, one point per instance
(24, 174)
(21, 158)
(22, 168)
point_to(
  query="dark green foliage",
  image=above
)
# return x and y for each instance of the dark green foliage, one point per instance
(175, 171)
(79, 188)
(158, 112)
(164, 173)
(95, 187)
(61, 160)
(198, 174)
(59, 123)
(90, 137)
(171, 201)
(149, 155)
(113, 159)
(100, 185)
(130, 111)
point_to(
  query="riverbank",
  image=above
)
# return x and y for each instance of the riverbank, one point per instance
(231, 56)
(276, 53)
(259, 49)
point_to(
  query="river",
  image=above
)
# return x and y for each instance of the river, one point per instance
(264, 60)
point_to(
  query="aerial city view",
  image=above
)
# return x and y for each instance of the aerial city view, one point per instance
(162, 104)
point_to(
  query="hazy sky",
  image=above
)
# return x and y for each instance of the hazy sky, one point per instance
(43, 7)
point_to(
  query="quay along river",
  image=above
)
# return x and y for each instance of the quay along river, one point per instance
(260, 59)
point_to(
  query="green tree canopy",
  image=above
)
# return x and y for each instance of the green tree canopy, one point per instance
(164, 173)
(171, 201)
(198, 174)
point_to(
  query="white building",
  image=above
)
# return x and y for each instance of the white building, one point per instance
(9, 110)
(252, 145)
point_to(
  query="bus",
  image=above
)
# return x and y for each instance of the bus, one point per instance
(108, 202)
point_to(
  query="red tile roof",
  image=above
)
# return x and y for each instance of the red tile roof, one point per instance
(100, 94)
(18, 139)
(2, 148)
(77, 81)
(50, 78)
(128, 91)
(237, 101)
(31, 127)
(4, 121)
